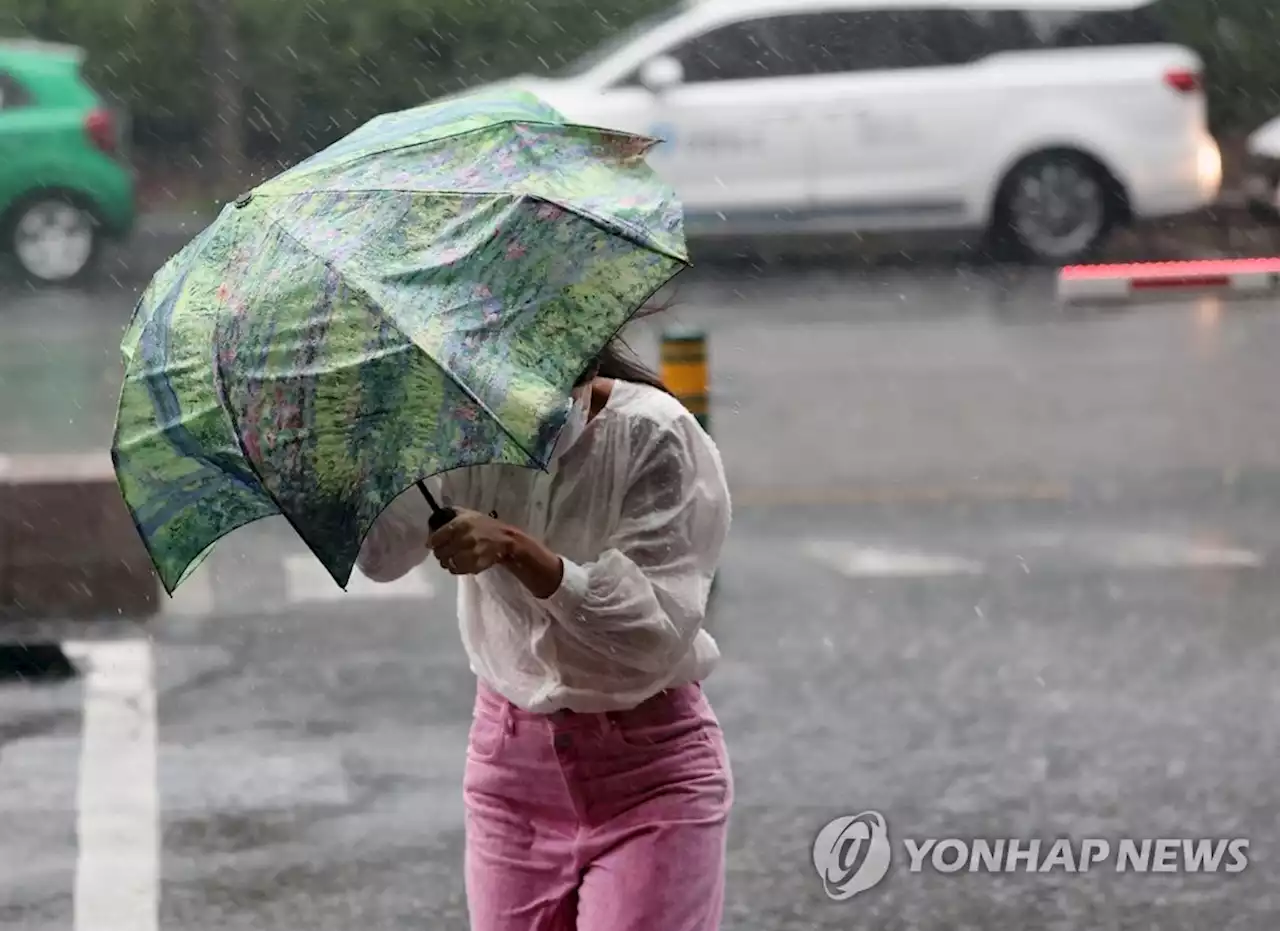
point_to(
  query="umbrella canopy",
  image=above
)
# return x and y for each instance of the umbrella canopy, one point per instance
(418, 297)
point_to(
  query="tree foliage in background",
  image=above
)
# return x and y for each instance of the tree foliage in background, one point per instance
(146, 53)
(314, 69)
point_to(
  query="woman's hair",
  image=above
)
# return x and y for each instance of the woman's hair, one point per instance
(619, 361)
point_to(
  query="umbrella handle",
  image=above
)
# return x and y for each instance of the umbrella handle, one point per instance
(439, 516)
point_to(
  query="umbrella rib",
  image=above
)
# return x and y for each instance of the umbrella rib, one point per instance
(619, 227)
(354, 282)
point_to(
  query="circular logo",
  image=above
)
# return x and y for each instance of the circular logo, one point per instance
(851, 854)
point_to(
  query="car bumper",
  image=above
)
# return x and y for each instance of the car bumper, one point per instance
(1262, 187)
(113, 190)
(1169, 186)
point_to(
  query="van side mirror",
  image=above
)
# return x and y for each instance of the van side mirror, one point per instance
(661, 74)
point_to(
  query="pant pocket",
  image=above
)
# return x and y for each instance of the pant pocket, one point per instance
(487, 736)
(670, 735)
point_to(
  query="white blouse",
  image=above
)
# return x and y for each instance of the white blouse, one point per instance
(638, 509)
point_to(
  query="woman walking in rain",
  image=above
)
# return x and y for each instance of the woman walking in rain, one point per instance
(597, 784)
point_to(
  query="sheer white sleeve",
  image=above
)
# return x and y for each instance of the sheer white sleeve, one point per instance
(641, 603)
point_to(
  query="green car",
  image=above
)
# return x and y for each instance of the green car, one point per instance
(65, 185)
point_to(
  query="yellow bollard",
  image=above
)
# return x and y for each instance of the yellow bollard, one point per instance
(684, 370)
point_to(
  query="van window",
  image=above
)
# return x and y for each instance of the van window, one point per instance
(835, 43)
(12, 94)
(958, 37)
(841, 42)
(757, 48)
(887, 40)
(1092, 28)
(617, 41)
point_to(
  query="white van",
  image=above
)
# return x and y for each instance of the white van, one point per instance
(1049, 122)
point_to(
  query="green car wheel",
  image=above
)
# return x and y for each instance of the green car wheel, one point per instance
(53, 240)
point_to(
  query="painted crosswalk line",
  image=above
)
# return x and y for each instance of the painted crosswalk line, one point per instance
(1155, 551)
(118, 803)
(870, 562)
(1041, 551)
(1139, 550)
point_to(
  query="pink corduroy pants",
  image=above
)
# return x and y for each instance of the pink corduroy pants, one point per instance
(597, 822)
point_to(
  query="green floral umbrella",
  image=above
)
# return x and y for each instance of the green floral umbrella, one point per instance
(418, 297)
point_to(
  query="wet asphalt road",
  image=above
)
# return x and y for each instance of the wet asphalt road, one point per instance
(997, 570)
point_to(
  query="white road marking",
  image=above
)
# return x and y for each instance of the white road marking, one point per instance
(118, 805)
(870, 562)
(306, 580)
(1146, 550)
(1163, 552)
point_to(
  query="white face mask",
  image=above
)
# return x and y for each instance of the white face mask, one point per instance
(574, 426)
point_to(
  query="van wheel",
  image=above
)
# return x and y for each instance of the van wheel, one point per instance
(53, 239)
(1056, 208)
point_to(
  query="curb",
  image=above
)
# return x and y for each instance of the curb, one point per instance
(68, 545)
(1245, 277)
